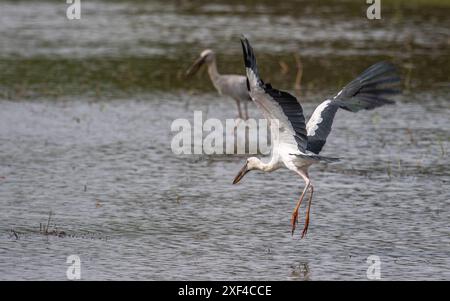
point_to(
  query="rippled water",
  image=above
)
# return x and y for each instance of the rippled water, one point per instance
(158, 28)
(131, 209)
(148, 214)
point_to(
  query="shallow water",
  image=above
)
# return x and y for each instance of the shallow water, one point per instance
(81, 139)
(149, 214)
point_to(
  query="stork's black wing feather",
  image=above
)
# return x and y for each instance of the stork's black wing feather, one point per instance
(274, 103)
(369, 90)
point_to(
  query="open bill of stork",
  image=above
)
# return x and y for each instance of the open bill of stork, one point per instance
(297, 144)
(205, 56)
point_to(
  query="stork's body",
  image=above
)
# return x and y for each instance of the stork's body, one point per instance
(234, 86)
(296, 145)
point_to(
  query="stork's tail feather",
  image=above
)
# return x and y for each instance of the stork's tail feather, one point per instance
(370, 89)
(317, 158)
(326, 159)
(253, 78)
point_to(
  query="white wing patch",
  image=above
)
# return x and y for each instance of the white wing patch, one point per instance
(316, 118)
(252, 79)
(339, 93)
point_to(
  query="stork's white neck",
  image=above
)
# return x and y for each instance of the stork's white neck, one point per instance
(213, 73)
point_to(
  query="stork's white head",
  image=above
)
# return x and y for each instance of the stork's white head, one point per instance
(207, 56)
(251, 163)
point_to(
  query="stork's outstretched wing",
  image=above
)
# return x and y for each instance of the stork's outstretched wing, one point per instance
(275, 104)
(366, 92)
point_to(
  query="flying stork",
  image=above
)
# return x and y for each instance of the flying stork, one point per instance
(297, 144)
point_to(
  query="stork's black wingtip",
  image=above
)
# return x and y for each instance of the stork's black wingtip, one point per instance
(246, 49)
(245, 43)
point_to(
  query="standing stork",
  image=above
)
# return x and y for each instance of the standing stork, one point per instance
(232, 85)
(297, 145)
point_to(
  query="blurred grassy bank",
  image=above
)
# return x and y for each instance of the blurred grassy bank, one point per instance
(54, 58)
(26, 78)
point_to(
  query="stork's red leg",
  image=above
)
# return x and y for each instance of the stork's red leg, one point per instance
(294, 218)
(305, 228)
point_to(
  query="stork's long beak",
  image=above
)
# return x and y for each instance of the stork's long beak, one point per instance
(244, 170)
(195, 66)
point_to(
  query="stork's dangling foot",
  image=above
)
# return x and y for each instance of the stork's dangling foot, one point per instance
(294, 218)
(305, 228)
